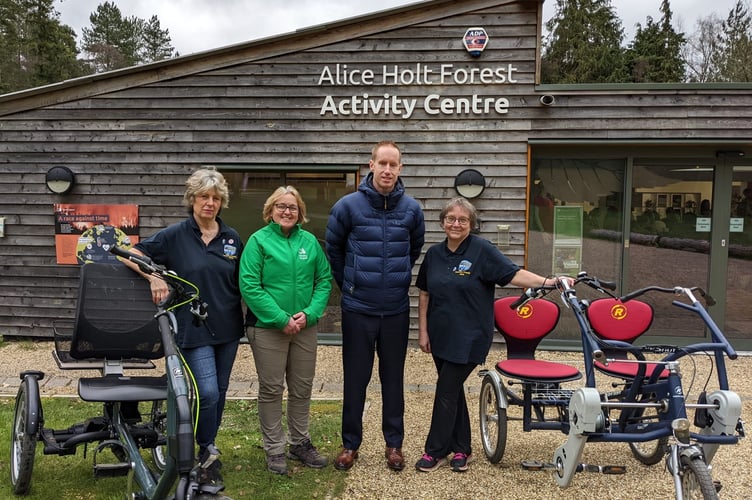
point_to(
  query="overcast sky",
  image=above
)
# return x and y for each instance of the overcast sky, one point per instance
(198, 25)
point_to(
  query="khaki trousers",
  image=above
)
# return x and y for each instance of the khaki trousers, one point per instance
(283, 359)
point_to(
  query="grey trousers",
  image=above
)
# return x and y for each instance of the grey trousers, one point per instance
(283, 359)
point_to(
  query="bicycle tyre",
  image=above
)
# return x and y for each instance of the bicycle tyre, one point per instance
(650, 452)
(493, 420)
(695, 479)
(159, 422)
(23, 445)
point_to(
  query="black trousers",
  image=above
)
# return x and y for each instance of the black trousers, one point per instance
(362, 337)
(450, 421)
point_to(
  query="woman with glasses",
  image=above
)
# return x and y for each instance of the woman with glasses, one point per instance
(285, 280)
(457, 282)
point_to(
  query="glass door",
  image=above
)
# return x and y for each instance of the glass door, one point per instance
(738, 283)
(691, 225)
(670, 238)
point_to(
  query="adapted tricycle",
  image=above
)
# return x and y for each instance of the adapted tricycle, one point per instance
(649, 408)
(116, 328)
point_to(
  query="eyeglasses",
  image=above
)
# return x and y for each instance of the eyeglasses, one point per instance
(281, 207)
(463, 221)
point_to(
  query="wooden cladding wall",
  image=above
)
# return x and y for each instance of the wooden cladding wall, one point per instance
(137, 144)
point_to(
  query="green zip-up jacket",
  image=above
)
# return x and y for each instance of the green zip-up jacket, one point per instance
(281, 276)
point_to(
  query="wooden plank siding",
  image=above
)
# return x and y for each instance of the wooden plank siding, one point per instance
(133, 136)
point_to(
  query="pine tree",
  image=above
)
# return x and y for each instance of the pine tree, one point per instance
(12, 76)
(107, 41)
(35, 49)
(115, 42)
(734, 60)
(655, 55)
(156, 42)
(584, 44)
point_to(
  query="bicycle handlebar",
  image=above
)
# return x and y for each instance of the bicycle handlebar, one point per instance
(718, 343)
(144, 263)
(677, 290)
(528, 294)
(182, 291)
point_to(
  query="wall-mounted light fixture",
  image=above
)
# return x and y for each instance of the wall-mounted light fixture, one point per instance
(60, 180)
(469, 183)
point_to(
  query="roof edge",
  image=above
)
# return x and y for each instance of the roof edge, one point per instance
(254, 50)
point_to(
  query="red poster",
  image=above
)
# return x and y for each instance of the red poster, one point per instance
(85, 233)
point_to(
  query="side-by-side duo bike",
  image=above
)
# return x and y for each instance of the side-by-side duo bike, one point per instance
(648, 409)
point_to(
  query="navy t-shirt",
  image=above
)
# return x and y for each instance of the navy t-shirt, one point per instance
(461, 287)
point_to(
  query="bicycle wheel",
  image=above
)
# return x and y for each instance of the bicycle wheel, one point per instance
(159, 421)
(23, 444)
(650, 452)
(493, 420)
(695, 479)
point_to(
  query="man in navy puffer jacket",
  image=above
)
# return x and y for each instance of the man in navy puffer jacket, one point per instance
(373, 238)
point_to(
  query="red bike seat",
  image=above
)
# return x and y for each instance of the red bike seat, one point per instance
(612, 319)
(523, 328)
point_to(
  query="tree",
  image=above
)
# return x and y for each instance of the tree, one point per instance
(156, 42)
(734, 59)
(35, 49)
(701, 53)
(11, 75)
(107, 39)
(655, 54)
(584, 44)
(116, 42)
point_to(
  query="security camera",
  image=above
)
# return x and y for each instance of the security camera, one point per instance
(547, 100)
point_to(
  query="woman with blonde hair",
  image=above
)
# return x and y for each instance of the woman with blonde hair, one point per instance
(285, 280)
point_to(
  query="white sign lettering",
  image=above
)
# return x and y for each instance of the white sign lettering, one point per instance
(419, 74)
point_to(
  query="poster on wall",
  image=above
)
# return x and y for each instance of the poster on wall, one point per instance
(85, 233)
(567, 251)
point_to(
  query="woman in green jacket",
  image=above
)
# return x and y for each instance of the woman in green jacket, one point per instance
(285, 280)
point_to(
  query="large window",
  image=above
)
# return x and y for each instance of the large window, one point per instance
(320, 190)
(663, 220)
(576, 221)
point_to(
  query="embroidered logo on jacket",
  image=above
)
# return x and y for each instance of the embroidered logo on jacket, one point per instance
(302, 255)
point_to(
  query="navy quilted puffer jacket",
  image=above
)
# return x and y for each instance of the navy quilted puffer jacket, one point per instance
(373, 242)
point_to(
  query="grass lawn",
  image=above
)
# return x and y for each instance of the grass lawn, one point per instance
(244, 466)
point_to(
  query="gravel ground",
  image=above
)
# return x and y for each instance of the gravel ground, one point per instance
(370, 477)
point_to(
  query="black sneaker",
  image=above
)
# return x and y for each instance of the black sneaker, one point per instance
(429, 464)
(308, 454)
(459, 462)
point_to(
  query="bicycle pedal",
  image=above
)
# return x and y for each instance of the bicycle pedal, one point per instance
(614, 469)
(603, 469)
(535, 465)
(111, 470)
